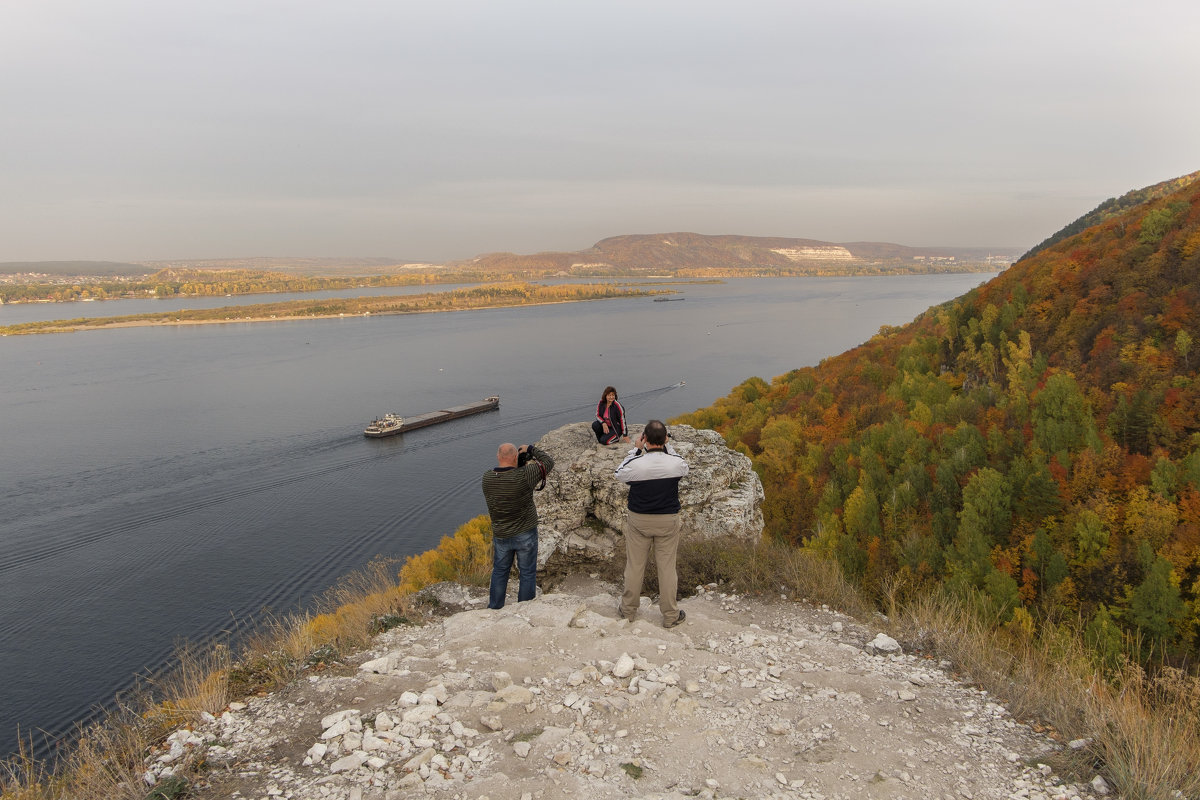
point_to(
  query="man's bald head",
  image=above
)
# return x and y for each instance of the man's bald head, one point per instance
(506, 456)
(655, 433)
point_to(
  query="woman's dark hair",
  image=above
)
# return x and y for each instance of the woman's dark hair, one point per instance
(607, 389)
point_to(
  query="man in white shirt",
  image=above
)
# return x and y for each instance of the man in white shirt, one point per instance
(653, 470)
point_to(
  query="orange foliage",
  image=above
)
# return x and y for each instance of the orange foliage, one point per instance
(926, 406)
(1029, 586)
(1135, 471)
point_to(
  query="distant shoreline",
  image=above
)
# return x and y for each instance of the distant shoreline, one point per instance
(164, 318)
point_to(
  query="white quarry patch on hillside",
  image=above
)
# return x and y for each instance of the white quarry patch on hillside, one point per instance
(831, 253)
(560, 698)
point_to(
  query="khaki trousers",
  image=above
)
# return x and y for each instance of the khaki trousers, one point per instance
(643, 533)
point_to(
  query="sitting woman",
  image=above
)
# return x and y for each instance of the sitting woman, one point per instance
(610, 419)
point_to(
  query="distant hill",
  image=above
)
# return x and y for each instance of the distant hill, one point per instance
(1033, 445)
(635, 253)
(1114, 206)
(695, 251)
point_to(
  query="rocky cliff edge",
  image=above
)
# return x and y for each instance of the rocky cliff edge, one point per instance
(559, 698)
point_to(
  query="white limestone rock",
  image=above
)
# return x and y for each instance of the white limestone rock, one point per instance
(329, 720)
(624, 666)
(339, 728)
(883, 644)
(349, 762)
(582, 509)
(435, 695)
(514, 695)
(419, 714)
(381, 666)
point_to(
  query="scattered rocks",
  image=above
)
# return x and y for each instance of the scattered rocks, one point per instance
(754, 699)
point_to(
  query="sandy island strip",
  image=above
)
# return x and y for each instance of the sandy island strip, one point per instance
(146, 323)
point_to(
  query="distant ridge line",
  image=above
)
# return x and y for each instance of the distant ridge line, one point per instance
(676, 250)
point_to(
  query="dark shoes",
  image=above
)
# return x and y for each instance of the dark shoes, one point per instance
(622, 615)
(678, 621)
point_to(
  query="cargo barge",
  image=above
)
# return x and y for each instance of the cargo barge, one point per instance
(392, 424)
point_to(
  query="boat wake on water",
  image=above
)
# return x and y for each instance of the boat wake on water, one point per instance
(194, 507)
(149, 511)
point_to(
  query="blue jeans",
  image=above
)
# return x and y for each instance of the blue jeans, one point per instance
(523, 547)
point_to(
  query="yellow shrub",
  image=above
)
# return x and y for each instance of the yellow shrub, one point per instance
(465, 557)
(323, 628)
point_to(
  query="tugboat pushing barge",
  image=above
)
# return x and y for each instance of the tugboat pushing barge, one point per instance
(392, 424)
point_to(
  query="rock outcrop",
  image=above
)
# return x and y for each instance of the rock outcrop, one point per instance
(582, 508)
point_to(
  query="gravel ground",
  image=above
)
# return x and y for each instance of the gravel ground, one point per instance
(560, 698)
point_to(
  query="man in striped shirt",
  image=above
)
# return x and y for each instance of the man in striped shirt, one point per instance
(508, 490)
(653, 470)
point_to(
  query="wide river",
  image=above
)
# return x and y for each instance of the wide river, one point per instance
(161, 484)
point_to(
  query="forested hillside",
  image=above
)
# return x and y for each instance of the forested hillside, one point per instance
(1112, 207)
(1034, 445)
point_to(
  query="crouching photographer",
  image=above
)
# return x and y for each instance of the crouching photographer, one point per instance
(508, 490)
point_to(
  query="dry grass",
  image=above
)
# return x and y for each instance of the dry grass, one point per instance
(1038, 678)
(104, 764)
(106, 761)
(22, 777)
(273, 654)
(1145, 733)
(769, 568)
(198, 682)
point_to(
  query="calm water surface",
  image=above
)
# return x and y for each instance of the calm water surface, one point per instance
(160, 484)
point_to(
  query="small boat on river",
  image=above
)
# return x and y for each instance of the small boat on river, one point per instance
(392, 424)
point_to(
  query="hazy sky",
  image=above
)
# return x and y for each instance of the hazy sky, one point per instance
(157, 129)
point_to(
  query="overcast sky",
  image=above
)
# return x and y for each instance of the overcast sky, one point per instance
(158, 129)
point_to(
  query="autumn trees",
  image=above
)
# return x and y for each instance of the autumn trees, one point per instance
(1034, 445)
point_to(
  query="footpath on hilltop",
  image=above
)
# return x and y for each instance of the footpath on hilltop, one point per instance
(560, 698)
